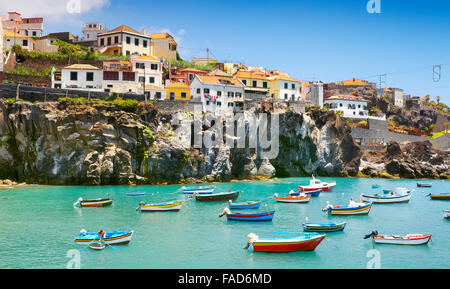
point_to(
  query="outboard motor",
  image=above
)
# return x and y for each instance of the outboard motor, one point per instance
(78, 201)
(226, 211)
(328, 208)
(251, 238)
(371, 235)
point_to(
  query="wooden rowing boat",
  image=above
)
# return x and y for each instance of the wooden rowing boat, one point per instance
(97, 245)
(405, 239)
(198, 190)
(351, 209)
(100, 202)
(219, 197)
(302, 198)
(161, 207)
(441, 196)
(324, 227)
(302, 242)
(112, 238)
(389, 198)
(315, 193)
(251, 217)
(244, 205)
(424, 185)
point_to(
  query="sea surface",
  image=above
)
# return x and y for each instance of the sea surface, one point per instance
(38, 225)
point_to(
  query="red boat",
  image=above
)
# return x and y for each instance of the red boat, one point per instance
(303, 242)
(316, 184)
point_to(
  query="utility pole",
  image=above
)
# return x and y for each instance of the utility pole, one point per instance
(207, 55)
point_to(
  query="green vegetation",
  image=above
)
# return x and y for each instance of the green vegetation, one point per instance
(186, 64)
(128, 105)
(150, 137)
(21, 70)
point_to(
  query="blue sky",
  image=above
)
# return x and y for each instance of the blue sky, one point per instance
(309, 39)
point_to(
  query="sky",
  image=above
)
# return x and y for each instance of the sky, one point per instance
(326, 40)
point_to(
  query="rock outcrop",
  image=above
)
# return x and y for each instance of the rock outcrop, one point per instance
(64, 143)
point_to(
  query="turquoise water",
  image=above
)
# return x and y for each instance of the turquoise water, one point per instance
(38, 225)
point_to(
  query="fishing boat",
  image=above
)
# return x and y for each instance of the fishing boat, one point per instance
(251, 217)
(352, 208)
(389, 198)
(219, 197)
(446, 214)
(112, 238)
(316, 184)
(97, 245)
(302, 242)
(441, 196)
(315, 193)
(324, 227)
(424, 185)
(406, 239)
(160, 207)
(376, 186)
(199, 190)
(94, 202)
(302, 198)
(135, 193)
(244, 205)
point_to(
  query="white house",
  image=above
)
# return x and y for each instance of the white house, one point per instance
(398, 96)
(222, 94)
(119, 77)
(80, 77)
(351, 106)
(91, 30)
(148, 69)
(12, 38)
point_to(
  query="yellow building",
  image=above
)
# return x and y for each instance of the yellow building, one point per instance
(256, 83)
(124, 41)
(178, 91)
(355, 81)
(284, 87)
(164, 46)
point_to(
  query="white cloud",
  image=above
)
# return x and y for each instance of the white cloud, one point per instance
(53, 10)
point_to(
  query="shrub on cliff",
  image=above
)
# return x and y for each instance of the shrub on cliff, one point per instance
(128, 105)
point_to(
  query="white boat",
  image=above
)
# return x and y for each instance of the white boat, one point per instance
(198, 190)
(406, 239)
(446, 214)
(400, 195)
(316, 184)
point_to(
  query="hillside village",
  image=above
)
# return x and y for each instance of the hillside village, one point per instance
(130, 64)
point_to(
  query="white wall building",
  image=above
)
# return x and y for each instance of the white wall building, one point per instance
(149, 70)
(91, 29)
(351, 106)
(218, 94)
(80, 77)
(398, 96)
(314, 93)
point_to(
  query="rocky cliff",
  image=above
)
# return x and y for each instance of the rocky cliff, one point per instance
(65, 143)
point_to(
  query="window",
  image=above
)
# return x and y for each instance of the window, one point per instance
(293, 86)
(207, 102)
(219, 103)
(25, 42)
(172, 95)
(102, 41)
(285, 96)
(183, 95)
(340, 104)
(198, 90)
(109, 40)
(238, 94)
(141, 79)
(110, 75)
(265, 84)
(154, 66)
(136, 41)
(285, 85)
(230, 94)
(144, 42)
(34, 33)
(140, 65)
(128, 76)
(128, 52)
(206, 90)
(255, 83)
(158, 94)
(89, 76)
(244, 82)
(151, 80)
(128, 40)
(219, 93)
(73, 75)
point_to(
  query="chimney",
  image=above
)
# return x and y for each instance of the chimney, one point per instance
(143, 31)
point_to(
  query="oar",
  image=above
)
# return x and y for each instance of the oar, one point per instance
(109, 245)
(326, 239)
(88, 245)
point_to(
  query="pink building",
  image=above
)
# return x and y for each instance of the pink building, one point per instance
(33, 27)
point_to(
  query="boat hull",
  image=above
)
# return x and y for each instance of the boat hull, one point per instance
(401, 240)
(423, 185)
(294, 199)
(324, 227)
(440, 197)
(346, 210)
(315, 193)
(386, 199)
(251, 217)
(111, 238)
(221, 197)
(96, 203)
(97, 245)
(287, 245)
(162, 207)
(325, 188)
(206, 190)
(239, 206)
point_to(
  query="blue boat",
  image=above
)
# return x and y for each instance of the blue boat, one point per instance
(252, 217)
(135, 193)
(376, 186)
(114, 237)
(324, 227)
(315, 193)
(244, 205)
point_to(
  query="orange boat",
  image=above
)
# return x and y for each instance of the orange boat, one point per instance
(302, 198)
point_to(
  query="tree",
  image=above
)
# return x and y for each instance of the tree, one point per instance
(427, 98)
